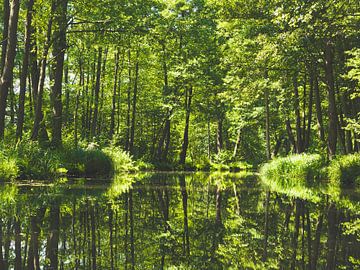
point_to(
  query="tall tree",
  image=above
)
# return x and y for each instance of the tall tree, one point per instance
(59, 48)
(24, 71)
(7, 73)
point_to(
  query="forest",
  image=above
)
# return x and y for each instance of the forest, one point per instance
(182, 84)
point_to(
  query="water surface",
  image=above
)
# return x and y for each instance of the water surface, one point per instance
(177, 221)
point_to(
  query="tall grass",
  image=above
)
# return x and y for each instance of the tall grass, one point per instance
(289, 171)
(8, 167)
(345, 169)
(294, 175)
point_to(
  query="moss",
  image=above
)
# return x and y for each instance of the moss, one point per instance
(345, 170)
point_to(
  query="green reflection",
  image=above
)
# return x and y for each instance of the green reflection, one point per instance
(178, 221)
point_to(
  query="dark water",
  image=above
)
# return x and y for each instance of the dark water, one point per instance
(174, 221)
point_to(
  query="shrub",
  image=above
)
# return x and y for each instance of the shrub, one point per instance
(74, 160)
(293, 170)
(97, 163)
(345, 169)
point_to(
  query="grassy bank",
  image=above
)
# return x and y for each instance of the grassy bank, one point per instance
(31, 161)
(293, 170)
(306, 169)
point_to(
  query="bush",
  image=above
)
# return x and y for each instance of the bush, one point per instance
(293, 170)
(345, 169)
(97, 163)
(74, 161)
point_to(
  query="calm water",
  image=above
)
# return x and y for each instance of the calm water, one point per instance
(177, 221)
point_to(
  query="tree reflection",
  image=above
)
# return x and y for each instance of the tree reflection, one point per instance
(196, 221)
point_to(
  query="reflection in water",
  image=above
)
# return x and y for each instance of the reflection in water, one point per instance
(175, 221)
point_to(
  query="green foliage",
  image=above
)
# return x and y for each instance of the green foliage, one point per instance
(293, 170)
(121, 160)
(345, 169)
(144, 166)
(8, 167)
(28, 160)
(35, 162)
(203, 164)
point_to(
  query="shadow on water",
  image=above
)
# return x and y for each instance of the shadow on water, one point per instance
(177, 221)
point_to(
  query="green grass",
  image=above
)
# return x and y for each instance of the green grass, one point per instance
(293, 170)
(345, 170)
(8, 167)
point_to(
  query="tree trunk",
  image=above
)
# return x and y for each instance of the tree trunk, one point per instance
(267, 124)
(127, 139)
(102, 79)
(24, 71)
(133, 119)
(316, 244)
(266, 229)
(96, 94)
(185, 144)
(17, 227)
(5, 33)
(7, 73)
(299, 141)
(290, 134)
(331, 241)
(329, 77)
(39, 96)
(113, 111)
(132, 240)
(310, 107)
(33, 262)
(219, 136)
(59, 53)
(296, 234)
(184, 194)
(53, 240)
(66, 114)
(93, 238)
(319, 117)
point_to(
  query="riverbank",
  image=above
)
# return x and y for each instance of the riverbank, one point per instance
(308, 169)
